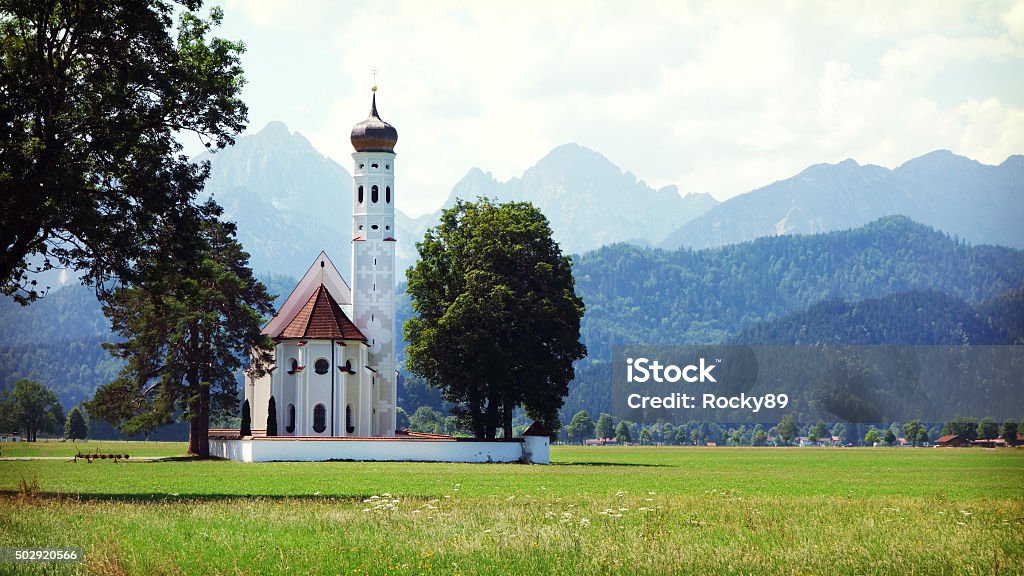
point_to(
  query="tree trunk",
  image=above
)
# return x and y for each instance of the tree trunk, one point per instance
(199, 427)
(491, 419)
(506, 416)
(476, 416)
(199, 403)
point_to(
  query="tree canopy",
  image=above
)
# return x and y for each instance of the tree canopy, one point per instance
(187, 324)
(75, 427)
(93, 96)
(581, 427)
(31, 408)
(605, 426)
(496, 320)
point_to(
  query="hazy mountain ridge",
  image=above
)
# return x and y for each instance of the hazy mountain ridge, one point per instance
(289, 201)
(589, 200)
(980, 203)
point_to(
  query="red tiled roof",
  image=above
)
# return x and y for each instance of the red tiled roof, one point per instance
(321, 318)
(537, 429)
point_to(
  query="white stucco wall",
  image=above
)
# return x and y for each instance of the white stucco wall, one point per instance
(537, 449)
(289, 449)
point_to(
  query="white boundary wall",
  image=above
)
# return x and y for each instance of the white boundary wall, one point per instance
(532, 450)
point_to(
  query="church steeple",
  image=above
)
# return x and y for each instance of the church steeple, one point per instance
(373, 259)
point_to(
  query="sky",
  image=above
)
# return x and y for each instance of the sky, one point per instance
(718, 97)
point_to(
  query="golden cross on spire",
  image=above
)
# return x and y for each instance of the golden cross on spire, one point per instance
(374, 72)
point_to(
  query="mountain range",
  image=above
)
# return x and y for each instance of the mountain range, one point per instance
(276, 186)
(980, 203)
(816, 256)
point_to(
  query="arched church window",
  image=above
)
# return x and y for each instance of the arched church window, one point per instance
(293, 365)
(374, 165)
(387, 194)
(348, 367)
(374, 194)
(349, 425)
(319, 418)
(321, 366)
(360, 194)
(290, 421)
(387, 166)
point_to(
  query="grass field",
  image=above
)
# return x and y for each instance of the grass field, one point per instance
(594, 511)
(54, 448)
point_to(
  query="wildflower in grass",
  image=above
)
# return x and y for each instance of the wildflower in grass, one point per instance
(584, 522)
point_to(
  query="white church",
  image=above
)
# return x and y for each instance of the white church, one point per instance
(334, 377)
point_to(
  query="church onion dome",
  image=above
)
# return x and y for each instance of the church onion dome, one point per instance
(374, 134)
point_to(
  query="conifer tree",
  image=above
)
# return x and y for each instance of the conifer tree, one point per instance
(272, 417)
(193, 315)
(75, 427)
(246, 428)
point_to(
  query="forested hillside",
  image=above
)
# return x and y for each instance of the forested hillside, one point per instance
(907, 318)
(635, 295)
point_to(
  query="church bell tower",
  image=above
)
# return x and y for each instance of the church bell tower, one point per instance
(373, 261)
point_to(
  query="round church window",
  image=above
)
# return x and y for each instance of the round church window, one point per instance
(321, 366)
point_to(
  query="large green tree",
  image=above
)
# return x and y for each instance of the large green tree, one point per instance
(912, 431)
(75, 427)
(581, 427)
(1008, 432)
(496, 320)
(31, 408)
(605, 427)
(988, 428)
(93, 97)
(787, 428)
(963, 426)
(622, 432)
(186, 326)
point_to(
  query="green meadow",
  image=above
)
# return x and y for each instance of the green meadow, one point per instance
(53, 448)
(595, 510)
